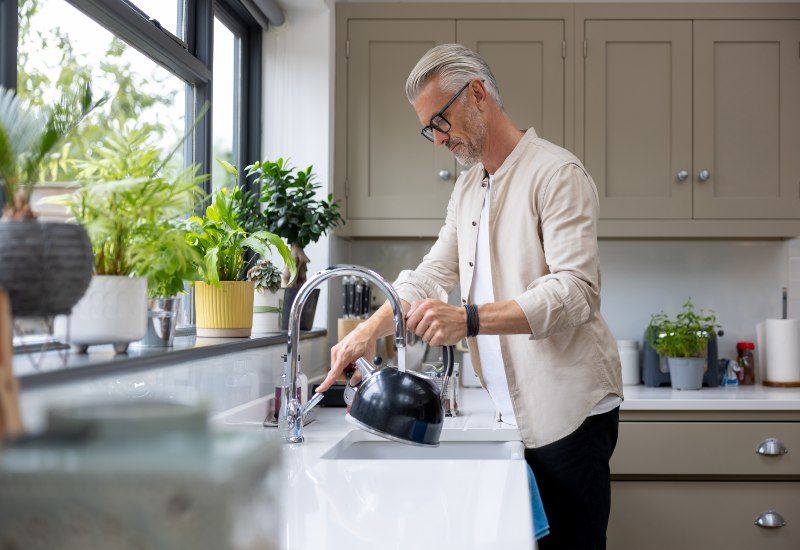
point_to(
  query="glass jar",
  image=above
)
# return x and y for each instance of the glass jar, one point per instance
(745, 359)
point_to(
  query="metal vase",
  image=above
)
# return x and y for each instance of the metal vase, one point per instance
(162, 316)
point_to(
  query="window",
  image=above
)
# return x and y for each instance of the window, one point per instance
(225, 96)
(154, 58)
(58, 46)
(170, 14)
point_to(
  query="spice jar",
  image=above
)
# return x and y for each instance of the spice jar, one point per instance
(746, 372)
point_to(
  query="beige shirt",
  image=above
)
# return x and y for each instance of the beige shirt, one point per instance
(543, 232)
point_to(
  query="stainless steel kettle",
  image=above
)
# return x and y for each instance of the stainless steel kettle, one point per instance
(400, 405)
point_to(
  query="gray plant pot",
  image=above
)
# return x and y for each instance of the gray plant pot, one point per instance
(309, 308)
(686, 373)
(45, 267)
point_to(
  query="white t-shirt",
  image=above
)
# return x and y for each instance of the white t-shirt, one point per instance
(494, 374)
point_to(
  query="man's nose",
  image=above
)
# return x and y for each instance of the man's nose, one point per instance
(440, 137)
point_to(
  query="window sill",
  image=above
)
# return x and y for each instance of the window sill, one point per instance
(101, 360)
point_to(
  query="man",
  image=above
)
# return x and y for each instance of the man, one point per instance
(520, 239)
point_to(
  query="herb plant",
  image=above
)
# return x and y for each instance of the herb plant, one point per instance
(685, 336)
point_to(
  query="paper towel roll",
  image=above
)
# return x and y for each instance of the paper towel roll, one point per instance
(782, 339)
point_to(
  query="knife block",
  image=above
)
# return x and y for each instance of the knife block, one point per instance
(346, 326)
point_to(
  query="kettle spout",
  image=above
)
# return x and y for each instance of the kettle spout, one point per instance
(365, 368)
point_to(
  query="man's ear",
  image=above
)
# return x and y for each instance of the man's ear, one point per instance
(479, 93)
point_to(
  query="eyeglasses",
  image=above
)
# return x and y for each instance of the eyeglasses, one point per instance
(438, 122)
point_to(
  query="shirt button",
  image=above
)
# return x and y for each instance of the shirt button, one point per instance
(483, 185)
(471, 264)
(474, 223)
(463, 300)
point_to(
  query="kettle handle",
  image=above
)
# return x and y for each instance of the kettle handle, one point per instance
(448, 357)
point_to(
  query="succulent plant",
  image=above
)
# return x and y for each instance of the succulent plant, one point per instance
(265, 275)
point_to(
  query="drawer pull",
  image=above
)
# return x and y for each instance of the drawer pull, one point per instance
(771, 447)
(770, 520)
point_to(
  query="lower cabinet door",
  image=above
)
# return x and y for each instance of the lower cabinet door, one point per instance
(688, 515)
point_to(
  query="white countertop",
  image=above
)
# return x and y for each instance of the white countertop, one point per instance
(365, 504)
(388, 504)
(723, 398)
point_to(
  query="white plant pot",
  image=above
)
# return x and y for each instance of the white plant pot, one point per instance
(267, 311)
(113, 311)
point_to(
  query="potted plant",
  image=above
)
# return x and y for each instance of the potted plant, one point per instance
(682, 341)
(223, 298)
(292, 210)
(45, 267)
(128, 199)
(267, 298)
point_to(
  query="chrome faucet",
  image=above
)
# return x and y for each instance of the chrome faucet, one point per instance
(290, 420)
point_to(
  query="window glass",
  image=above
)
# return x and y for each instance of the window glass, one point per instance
(225, 99)
(168, 13)
(59, 46)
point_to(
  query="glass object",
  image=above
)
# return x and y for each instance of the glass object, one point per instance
(746, 372)
(168, 13)
(438, 122)
(60, 47)
(226, 97)
(435, 371)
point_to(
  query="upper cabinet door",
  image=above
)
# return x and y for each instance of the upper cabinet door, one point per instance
(747, 119)
(393, 172)
(527, 59)
(638, 117)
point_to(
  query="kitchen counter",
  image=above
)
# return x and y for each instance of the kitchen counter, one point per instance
(379, 503)
(723, 398)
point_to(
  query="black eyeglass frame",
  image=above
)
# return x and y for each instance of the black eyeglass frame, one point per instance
(427, 131)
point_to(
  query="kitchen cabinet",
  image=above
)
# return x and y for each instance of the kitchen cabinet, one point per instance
(393, 182)
(690, 122)
(693, 480)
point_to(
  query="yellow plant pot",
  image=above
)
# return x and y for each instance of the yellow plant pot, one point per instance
(224, 312)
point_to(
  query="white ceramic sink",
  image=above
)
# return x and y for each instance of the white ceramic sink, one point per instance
(359, 445)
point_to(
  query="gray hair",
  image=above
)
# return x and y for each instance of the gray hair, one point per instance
(455, 65)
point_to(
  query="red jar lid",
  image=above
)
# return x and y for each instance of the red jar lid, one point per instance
(745, 345)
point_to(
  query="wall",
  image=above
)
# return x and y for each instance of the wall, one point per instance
(298, 105)
(740, 280)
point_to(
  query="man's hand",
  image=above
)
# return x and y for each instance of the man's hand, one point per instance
(436, 322)
(359, 343)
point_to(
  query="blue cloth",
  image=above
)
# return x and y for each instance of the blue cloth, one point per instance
(540, 525)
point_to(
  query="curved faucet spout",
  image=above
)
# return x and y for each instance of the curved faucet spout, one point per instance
(290, 421)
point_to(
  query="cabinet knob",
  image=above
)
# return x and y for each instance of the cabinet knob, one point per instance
(770, 520)
(703, 175)
(444, 174)
(771, 447)
(682, 175)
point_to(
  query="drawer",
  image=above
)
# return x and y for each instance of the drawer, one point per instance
(704, 448)
(689, 515)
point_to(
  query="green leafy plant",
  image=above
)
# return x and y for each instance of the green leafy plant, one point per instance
(28, 137)
(222, 242)
(292, 210)
(685, 336)
(130, 204)
(266, 276)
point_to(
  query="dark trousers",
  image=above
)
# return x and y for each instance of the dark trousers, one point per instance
(575, 483)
